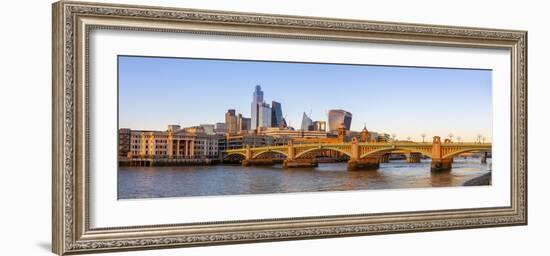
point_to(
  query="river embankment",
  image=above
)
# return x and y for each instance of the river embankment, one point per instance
(484, 179)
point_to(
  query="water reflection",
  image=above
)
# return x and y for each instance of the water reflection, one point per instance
(152, 182)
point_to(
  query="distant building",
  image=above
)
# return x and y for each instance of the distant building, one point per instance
(320, 126)
(342, 132)
(220, 128)
(277, 132)
(194, 129)
(307, 123)
(277, 119)
(337, 117)
(124, 142)
(240, 141)
(173, 127)
(382, 137)
(264, 115)
(231, 121)
(257, 99)
(243, 124)
(208, 128)
(365, 136)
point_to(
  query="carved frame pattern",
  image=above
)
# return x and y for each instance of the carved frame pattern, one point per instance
(71, 233)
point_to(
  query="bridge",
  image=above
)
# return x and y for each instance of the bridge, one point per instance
(362, 155)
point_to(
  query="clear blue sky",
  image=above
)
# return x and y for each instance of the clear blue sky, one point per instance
(407, 101)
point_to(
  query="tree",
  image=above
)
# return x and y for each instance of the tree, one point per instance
(451, 136)
(393, 136)
(458, 138)
(409, 138)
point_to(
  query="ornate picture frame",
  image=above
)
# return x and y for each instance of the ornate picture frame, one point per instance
(72, 23)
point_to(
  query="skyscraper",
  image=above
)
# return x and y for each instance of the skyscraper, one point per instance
(264, 115)
(307, 123)
(243, 124)
(338, 116)
(277, 115)
(257, 97)
(231, 121)
(260, 114)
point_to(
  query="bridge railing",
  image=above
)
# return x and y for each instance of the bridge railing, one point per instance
(381, 144)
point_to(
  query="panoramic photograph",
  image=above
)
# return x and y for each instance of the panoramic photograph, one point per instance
(214, 127)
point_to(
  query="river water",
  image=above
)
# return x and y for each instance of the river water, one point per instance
(180, 181)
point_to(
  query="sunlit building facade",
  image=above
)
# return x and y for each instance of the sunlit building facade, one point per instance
(173, 144)
(124, 142)
(276, 132)
(231, 121)
(336, 117)
(320, 126)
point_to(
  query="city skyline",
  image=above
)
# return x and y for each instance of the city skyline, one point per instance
(406, 101)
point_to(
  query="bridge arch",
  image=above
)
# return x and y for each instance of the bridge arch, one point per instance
(254, 156)
(234, 154)
(390, 149)
(322, 149)
(454, 153)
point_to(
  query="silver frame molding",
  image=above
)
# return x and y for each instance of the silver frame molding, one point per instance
(72, 22)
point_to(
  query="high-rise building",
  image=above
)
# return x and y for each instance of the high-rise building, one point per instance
(260, 114)
(243, 124)
(257, 98)
(231, 121)
(320, 126)
(336, 117)
(264, 115)
(277, 119)
(307, 123)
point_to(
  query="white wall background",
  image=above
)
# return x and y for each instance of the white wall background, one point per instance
(25, 118)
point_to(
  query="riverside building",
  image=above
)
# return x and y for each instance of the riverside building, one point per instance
(190, 143)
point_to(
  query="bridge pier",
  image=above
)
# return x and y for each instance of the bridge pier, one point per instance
(364, 164)
(367, 163)
(258, 162)
(300, 163)
(413, 157)
(385, 158)
(441, 165)
(484, 158)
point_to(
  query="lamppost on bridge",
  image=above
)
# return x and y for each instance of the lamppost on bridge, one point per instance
(423, 137)
(479, 138)
(483, 139)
